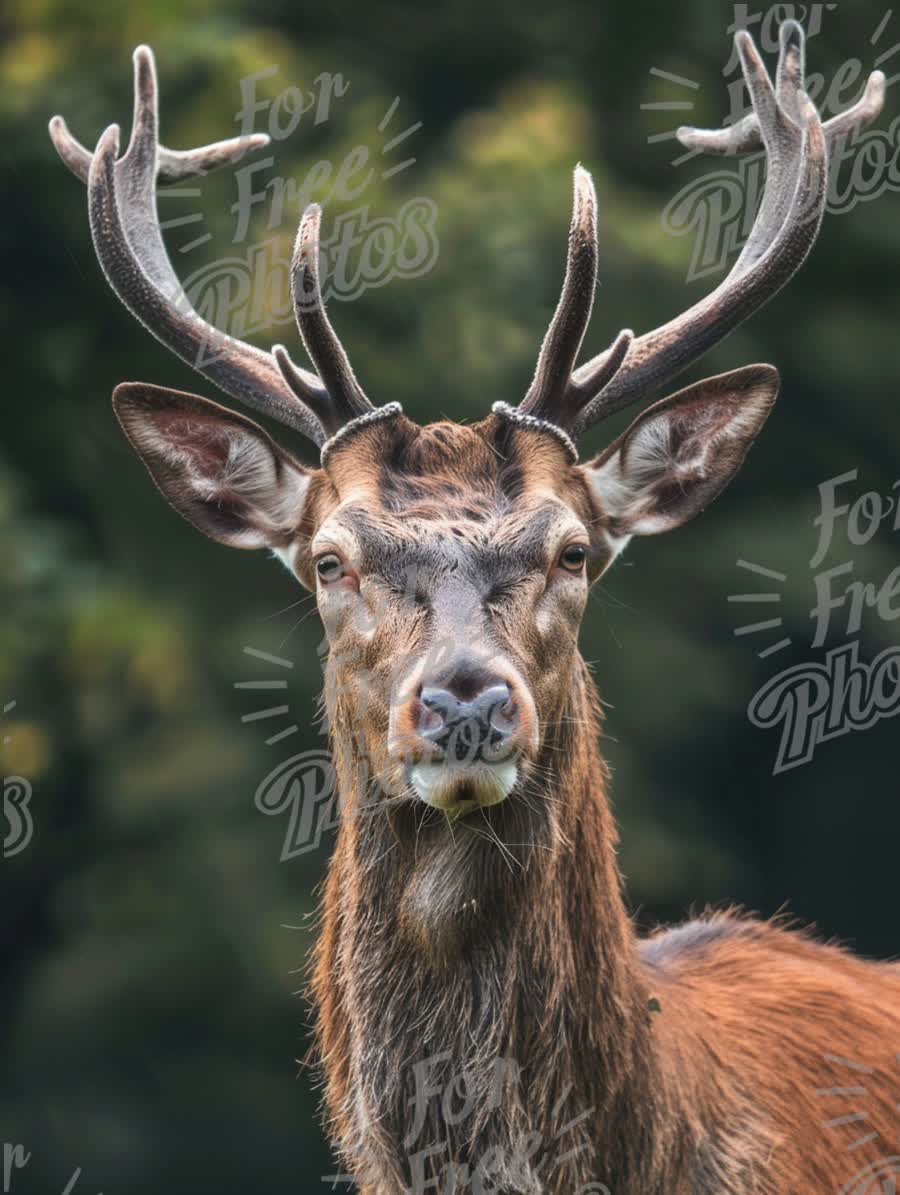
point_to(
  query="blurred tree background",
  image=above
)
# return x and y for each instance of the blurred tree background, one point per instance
(152, 945)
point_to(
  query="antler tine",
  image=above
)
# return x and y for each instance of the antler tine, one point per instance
(744, 135)
(790, 73)
(346, 397)
(786, 227)
(173, 165)
(780, 120)
(554, 395)
(129, 246)
(564, 336)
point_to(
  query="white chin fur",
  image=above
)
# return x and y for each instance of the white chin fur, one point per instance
(439, 784)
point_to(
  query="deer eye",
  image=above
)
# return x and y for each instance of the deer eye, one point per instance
(330, 567)
(573, 557)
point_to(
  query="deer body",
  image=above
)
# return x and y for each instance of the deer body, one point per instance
(715, 1093)
(438, 961)
(487, 1018)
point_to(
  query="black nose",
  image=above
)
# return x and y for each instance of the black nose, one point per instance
(467, 731)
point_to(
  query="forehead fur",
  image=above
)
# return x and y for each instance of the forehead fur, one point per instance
(447, 470)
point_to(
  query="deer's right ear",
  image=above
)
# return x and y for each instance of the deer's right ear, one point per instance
(222, 472)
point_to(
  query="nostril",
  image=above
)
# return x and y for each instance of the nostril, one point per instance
(438, 708)
(439, 701)
(496, 708)
(505, 718)
(429, 721)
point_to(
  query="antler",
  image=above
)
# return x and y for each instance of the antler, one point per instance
(129, 245)
(745, 135)
(554, 394)
(325, 350)
(787, 223)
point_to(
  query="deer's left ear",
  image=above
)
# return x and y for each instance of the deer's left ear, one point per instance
(681, 453)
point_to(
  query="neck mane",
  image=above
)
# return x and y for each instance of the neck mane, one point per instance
(475, 1000)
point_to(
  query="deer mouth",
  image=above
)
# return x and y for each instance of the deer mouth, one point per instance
(458, 788)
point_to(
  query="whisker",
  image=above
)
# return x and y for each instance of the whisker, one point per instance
(507, 854)
(294, 627)
(308, 597)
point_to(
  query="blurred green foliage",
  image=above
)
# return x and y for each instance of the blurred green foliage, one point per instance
(152, 945)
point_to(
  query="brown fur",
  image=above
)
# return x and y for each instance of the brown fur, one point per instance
(700, 1056)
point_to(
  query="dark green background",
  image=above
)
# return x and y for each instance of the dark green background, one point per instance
(151, 943)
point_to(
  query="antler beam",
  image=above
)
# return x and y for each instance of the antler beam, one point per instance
(129, 245)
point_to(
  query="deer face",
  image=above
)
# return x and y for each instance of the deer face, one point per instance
(451, 564)
(451, 582)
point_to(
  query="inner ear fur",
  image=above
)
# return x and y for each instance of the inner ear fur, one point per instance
(220, 471)
(680, 453)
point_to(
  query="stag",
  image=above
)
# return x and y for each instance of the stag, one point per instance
(475, 938)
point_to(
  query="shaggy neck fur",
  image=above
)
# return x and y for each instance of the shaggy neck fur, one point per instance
(485, 1007)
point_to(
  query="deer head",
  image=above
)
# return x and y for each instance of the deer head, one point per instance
(451, 563)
